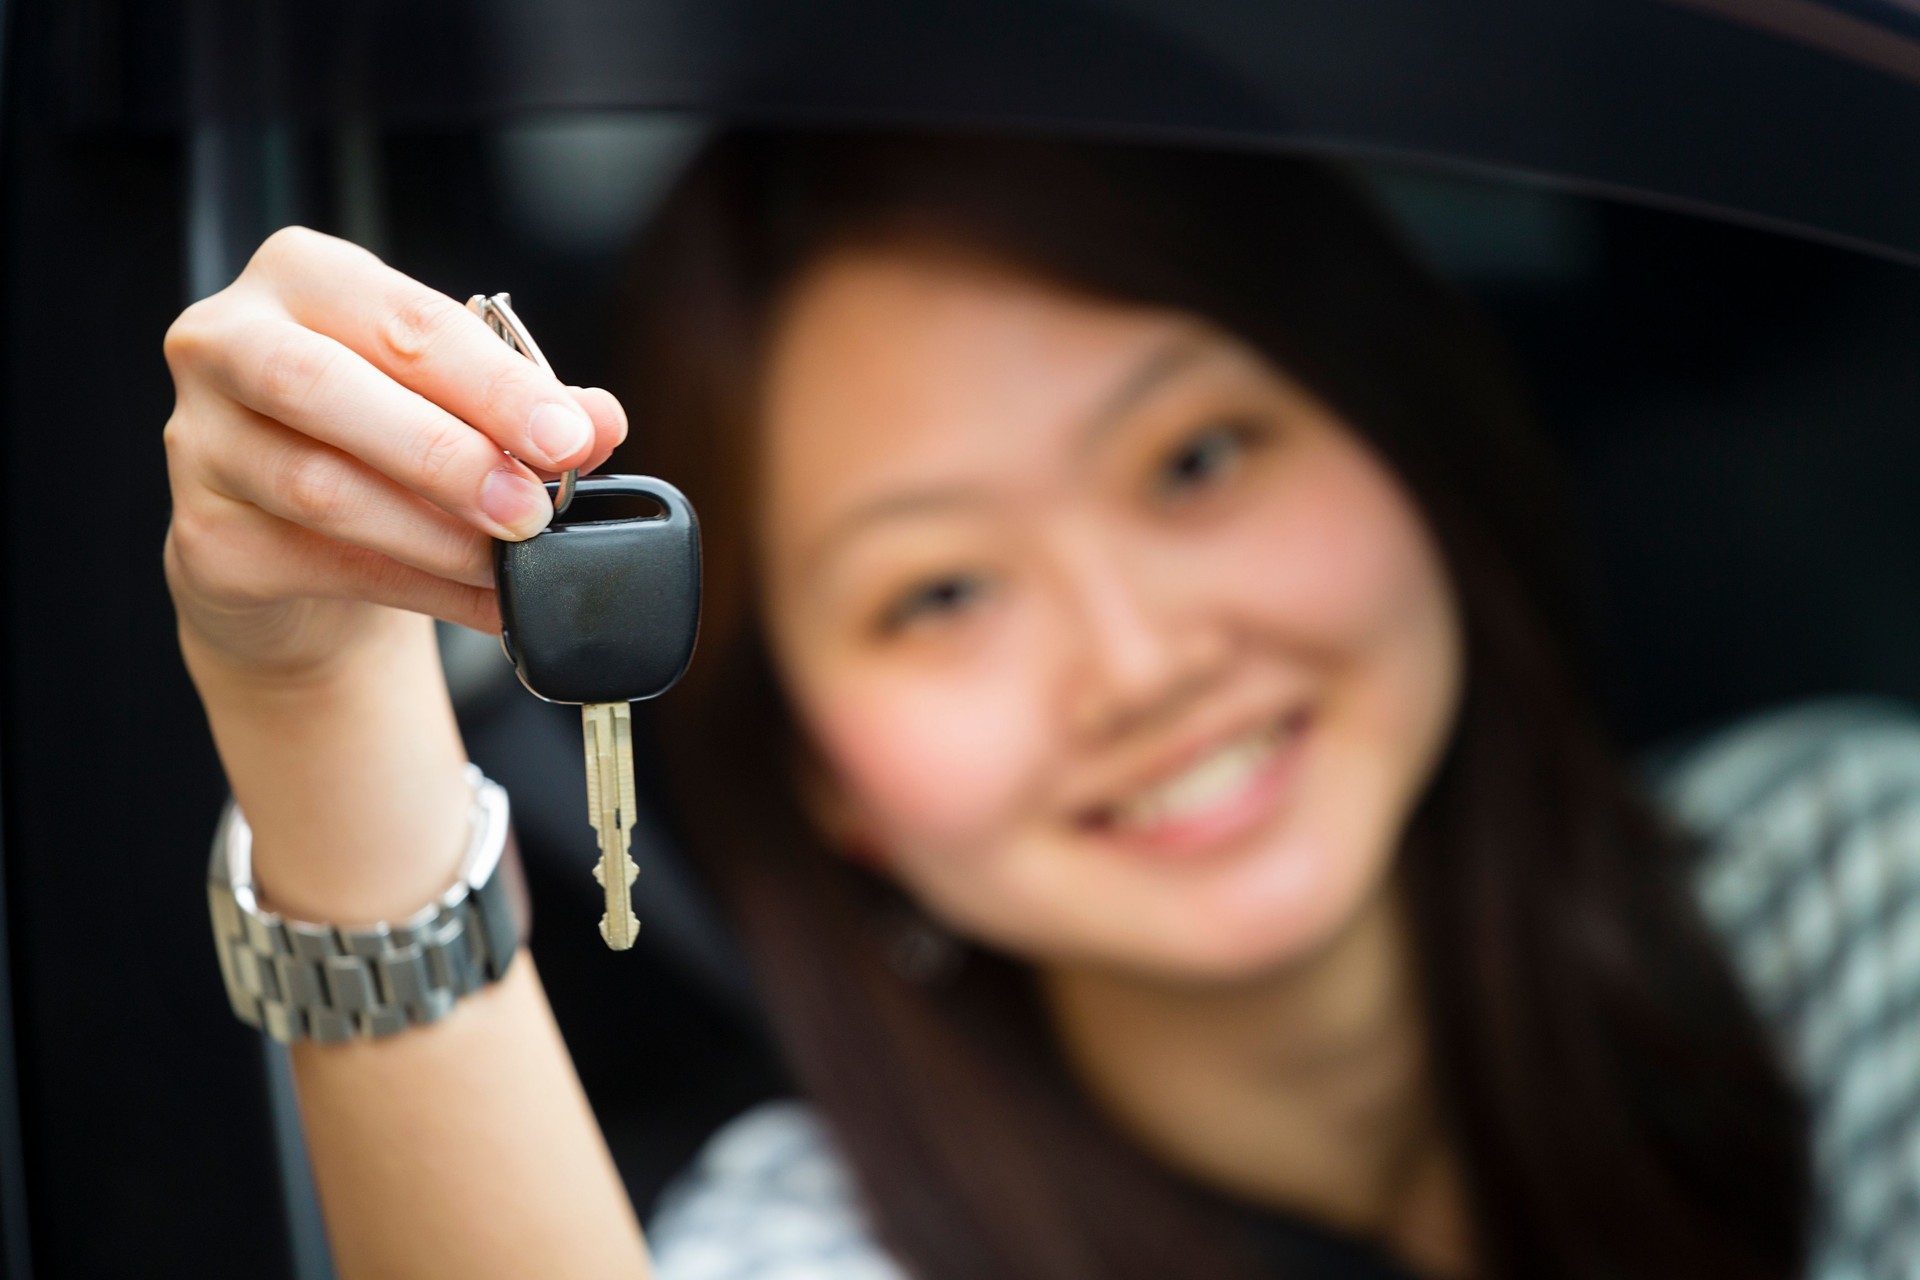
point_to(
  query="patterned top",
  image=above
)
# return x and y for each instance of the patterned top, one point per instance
(1810, 819)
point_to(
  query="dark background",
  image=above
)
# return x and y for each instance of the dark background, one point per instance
(1697, 233)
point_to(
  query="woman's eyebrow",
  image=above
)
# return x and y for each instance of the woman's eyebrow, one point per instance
(1159, 365)
(1147, 375)
(913, 502)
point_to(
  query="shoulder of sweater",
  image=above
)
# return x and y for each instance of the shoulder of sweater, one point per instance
(768, 1198)
(1809, 825)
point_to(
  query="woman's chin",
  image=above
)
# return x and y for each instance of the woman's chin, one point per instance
(1274, 903)
(1250, 952)
(1280, 909)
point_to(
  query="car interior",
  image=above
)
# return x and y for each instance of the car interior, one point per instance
(1711, 283)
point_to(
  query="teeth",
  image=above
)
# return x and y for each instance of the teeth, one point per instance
(1207, 782)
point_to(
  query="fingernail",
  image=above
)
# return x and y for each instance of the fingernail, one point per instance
(515, 503)
(559, 431)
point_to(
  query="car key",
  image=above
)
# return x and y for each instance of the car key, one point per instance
(603, 613)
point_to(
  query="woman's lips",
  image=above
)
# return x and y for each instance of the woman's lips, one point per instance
(1231, 790)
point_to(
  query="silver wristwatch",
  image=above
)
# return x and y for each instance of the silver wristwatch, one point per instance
(297, 980)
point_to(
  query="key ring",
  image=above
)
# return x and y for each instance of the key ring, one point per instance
(497, 311)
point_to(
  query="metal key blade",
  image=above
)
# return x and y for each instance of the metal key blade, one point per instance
(608, 727)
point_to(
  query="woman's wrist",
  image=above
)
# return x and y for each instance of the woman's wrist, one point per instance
(352, 779)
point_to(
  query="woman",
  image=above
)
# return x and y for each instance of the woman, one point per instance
(1125, 561)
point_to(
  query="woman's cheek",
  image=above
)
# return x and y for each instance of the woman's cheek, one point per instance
(1361, 588)
(935, 761)
(1342, 556)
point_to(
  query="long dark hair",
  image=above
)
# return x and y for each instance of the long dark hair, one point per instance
(1614, 1100)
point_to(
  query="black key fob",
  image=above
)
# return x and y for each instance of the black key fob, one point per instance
(603, 611)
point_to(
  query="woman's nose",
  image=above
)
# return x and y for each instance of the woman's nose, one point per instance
(1140, 648)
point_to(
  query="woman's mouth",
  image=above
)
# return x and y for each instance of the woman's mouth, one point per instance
(1231, 789)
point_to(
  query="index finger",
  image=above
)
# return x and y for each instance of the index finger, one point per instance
(432, 345)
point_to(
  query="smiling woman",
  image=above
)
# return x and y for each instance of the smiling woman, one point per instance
(1134, 733)
(1118, 643)
(1130, 562)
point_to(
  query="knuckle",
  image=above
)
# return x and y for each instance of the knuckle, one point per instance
(457, 552)
(180, 442)
(294, 369)
(472, 557)
(200, 555)
(506, 386)
(175, 564)
(173, 438)
(379, 577)
(183, 538)
(312, 487)
(436, 450)
(186, 337)
(385, 575)
(414, 322)
(242, 585)
(283, 249)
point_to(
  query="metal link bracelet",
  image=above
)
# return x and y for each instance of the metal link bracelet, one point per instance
(297, 980)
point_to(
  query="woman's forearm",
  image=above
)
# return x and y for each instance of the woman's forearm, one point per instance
(352, 779)
(465, 1148)
(462, 1148)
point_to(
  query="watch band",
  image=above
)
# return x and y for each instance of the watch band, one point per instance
(298, 980)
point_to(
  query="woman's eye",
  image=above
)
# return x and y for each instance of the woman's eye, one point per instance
(1203, 460)
(932, 600)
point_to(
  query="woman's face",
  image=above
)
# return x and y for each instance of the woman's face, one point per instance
(1117, 647)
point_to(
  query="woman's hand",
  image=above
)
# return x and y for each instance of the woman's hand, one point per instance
(339, 452)
(344, 443)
